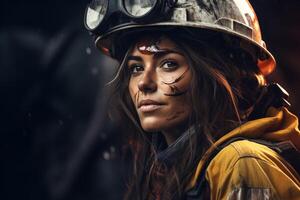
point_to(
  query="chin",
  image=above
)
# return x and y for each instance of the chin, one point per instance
(157, 124)
(151, 128)
(152, 125)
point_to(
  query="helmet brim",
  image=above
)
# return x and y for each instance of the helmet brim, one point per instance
(266, 62)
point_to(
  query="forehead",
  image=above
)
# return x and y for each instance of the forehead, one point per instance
(149, 45)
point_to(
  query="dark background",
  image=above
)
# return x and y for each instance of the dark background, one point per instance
(56, 141)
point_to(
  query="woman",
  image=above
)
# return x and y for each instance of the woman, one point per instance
(199, 117)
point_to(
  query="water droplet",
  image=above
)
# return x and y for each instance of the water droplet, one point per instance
(112, 149)
(60, 122)
(88, 51)
(106, 155)
(94, 70)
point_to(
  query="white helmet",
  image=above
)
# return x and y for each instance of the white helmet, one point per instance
(108, 20)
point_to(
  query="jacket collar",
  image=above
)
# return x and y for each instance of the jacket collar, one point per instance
(169, 154)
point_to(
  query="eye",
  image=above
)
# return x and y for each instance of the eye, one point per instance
(169, 65)
(135, 68)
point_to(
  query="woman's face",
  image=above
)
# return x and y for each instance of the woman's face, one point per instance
(159, 84)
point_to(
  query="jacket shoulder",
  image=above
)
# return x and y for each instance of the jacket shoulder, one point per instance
(242, 149)
(247, 164)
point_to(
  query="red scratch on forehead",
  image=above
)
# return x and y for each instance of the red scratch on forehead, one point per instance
(149, 46)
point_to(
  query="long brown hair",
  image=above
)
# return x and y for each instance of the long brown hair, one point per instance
(223, 90)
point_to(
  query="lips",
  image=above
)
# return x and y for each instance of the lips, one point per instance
(148, 105)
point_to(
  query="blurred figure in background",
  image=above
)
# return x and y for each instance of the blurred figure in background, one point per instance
(57, 141)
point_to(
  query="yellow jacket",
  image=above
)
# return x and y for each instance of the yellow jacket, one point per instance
(247, 170)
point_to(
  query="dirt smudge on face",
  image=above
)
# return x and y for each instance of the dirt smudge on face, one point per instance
(175, 91)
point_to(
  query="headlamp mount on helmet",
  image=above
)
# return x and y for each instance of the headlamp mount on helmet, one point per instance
(102, 15)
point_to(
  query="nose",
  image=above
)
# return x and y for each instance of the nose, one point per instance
(147, 83)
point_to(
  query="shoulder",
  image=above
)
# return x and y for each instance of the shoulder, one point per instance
(246, 164)
(243, 151)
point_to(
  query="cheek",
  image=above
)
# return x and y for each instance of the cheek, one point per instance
(133, 91)
(175, 114)
(180, 112)
(179, 86)
(180, 108)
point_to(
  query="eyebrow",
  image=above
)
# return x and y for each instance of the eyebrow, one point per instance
(156, 55)
(136, 58)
